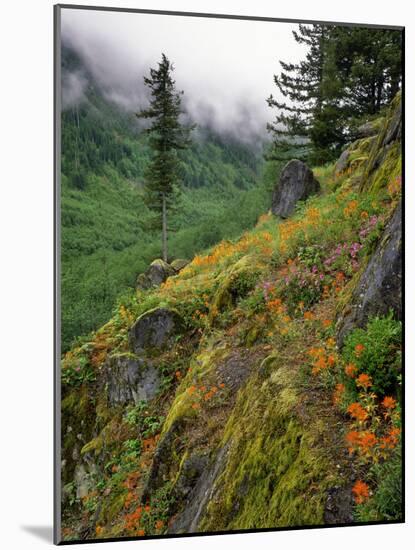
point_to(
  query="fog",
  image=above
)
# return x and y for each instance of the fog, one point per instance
(225, 67)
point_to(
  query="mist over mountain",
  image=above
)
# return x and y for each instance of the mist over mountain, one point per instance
(225, 82)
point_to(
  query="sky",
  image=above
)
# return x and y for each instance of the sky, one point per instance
(225, 67)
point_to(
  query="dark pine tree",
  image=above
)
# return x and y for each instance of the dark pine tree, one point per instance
(368, 62)
(300, 84)
(167, 136)
(348, 74)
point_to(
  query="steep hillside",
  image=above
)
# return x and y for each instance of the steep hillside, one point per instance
(107, 235)
(261, 386)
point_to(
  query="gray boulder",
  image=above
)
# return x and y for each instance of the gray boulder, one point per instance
(130, 379)
(369, 129)
(179, 264)
(379, 288)
(296, 183)
(156, 274)
(155, 330)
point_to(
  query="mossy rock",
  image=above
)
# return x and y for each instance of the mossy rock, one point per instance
(78, 420)
(129, 379)
(155, 329)
(235, 283)
(384, 161)
(155, 275)
(179, 264)
(111, 507)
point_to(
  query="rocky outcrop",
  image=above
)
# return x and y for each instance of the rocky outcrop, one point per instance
(379, 288)
(296, 183)
(370, 128)
(235, 283)
(130, 379)
(158, 272)
(155, 275)
(385, 156)
(154, 330)
(342, 163)
(179, 264)
(197, 481)
(163, 459)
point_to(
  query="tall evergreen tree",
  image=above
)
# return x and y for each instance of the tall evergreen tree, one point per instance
(300, 84)
(368, 62)
(348, 73)
(167, 136)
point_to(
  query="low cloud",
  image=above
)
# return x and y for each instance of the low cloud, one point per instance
(225, 67)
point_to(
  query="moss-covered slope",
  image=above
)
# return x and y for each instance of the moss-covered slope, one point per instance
(251, 422)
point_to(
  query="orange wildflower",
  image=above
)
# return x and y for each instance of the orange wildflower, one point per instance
(159, 524)
(391, 440)
(309, 316)
(315, 352)
(360, 491)
(191, 390)
(221, 385)
(353, 440)
(331, 360)
(320, 363)
(367, 440)
(141, 533)
(195, 406)
(389, 403)
(326, 323)
(178, 374)
(364, 381)
(350, 370)
(357, 411)
(358, 349)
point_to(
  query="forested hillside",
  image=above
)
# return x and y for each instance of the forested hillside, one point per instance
(106, 227)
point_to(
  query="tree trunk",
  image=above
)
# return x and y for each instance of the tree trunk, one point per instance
(164, 229)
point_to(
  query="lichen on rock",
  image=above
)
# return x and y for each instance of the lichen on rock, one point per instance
(130, 379)
(155, 330)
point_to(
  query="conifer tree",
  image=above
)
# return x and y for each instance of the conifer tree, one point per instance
(167, 136)
(348, 74)
(300, 84)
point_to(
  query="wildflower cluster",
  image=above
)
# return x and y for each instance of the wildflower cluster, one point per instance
(375, 424)
(150, 518)
(276, 309)
(303, 284)
(259, 242)
(298, 230)
(324, 357)
(369, 225)
(200, 394)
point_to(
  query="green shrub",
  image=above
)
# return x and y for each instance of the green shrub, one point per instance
(386, 502)
(380, 356)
